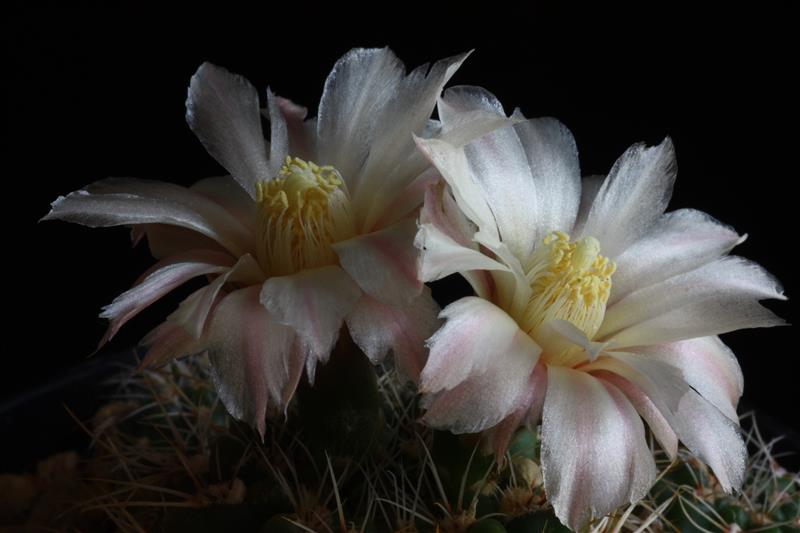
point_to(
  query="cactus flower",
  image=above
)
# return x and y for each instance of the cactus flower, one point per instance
(593, 309)
(312, 230)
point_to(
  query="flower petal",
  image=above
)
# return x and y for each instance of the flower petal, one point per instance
(377, 328)
(126, 201)
(708, 366)
(193, 312)
(528, 412)
(162, 278)
(475, 337)
(454, 168)
(594, 453)
(478, 367)
(251, 357)
(498, 164)
(224, 191)
(553, 161)
(445, 242)
(656, 421)
(679, 241)
(168, 341)
(384, 263)
(357, 89)
(633, 196)
(714, 438)
(468, 112)
(716, 298)
(313, 303)
(222, 109)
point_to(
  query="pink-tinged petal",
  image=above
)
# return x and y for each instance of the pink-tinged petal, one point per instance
(165, 241)
(656, 421)
(404, 202)
(378, 328)
(384, 263)
(222, 109)
(445, 242)
(679, 241)
(368, 111)
(476, 337)
(167, 341)
(128, 201)
(478, 367)
(717, 298)
(594, 452)
(393, 162)
(253, 357)
(452, 163)
(714, 438)
(708, 366)
(158, 281)
(224, 191)
(553, 161)
(194, 310)
(633, 196)
(528, 412)
(313, 303)
(301, 133)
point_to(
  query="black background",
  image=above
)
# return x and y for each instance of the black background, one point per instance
(94, 91)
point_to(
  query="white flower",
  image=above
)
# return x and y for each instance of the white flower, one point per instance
(592, 308)
(312, 229)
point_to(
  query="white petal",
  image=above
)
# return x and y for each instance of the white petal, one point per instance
(499, 165)
(162, 278)
(594, 453)
(590, 186)
(454, 168)
(468, 112)
(194, 310)
(553, 160)
(717, 298)
(378, 328)
(478, 369)
(313, 303)
(528, 412)
(475, 338)
(301, 133)
(656, 421)
(679, 241)
(253, 359)
(708, 366)
(279, 133)
(126, 201)
(164, 240)
(384, 263)
(714, 438)
(223, 111)
(446, 246)
(358, 88)
(224, 191)
(633, 196)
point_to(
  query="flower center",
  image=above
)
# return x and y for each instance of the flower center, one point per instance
(302, 211)
(570, 281)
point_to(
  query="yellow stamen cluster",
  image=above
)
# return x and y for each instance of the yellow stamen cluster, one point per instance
(301, 212)
(570, 281)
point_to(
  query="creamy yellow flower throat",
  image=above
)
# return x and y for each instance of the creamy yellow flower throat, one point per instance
(570, 281)
(302, 211)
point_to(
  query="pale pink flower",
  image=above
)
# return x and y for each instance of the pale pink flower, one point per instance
(311, 230)
(593, 309)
